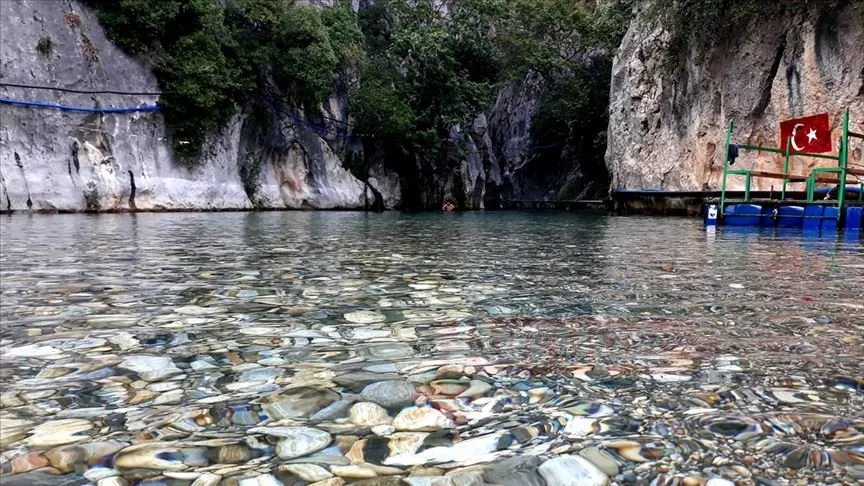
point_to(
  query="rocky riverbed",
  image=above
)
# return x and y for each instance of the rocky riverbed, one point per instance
(277, 402)
(179, 371)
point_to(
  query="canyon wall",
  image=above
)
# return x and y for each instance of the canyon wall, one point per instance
(61, 160)
(53, 159)
(667, 125)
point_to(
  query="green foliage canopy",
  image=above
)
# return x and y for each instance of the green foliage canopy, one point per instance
(411, 71)
(212, 56)
(428, 70)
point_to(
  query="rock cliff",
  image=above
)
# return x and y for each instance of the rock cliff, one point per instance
(667, 126)
(60, 160)
(485, 163)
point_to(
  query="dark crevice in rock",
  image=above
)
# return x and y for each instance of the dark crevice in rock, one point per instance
(105, 143)
(765, 91)
(717, 103)
(250, 172)
(827, 39)
(75, 158)
(26, 187)
(794, 80)
(132, 190)
(378, 203)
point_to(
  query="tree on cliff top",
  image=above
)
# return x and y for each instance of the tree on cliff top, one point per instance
(426, 70)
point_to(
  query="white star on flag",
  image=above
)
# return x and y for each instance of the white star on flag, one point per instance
(811, 135)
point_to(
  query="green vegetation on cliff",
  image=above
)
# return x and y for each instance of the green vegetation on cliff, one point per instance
(210, 59)
(410, 71)
(427, 71)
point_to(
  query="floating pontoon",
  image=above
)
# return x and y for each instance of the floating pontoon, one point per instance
(840, 205)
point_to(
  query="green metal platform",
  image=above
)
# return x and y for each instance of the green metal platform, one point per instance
(842, 175)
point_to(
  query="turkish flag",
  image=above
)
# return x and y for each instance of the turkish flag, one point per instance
(810, 134)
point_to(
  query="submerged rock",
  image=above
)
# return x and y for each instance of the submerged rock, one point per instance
(364, 317)
(476, 389)
(113, 481)
(262, 480)
(42, 479)
(368, 414)
(298, 402)
(66, 458)
(307, 472)
(428, 481)
(150, 368)
(330, 482)
(387, 351)
(380, 481)
(421, 419)
(207, 479)
(151, 456)
(335, 410)
(469, 451)
(572, 471)
(405, 442)
(231, 454)
(296, 441)
(449, 387)
(390, 394)
(516, 471)
(357, 380)
(354, 471)
(59, 432)
(602, 460)
(25, 463)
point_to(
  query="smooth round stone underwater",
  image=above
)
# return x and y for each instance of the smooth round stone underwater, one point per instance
(426, 349)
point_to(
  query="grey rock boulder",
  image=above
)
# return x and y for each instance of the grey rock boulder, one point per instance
(390, 394)
(516, 471)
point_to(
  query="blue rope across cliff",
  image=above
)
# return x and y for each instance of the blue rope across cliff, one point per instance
(79, 109)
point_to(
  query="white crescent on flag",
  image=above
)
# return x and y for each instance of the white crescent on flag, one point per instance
(795, 146)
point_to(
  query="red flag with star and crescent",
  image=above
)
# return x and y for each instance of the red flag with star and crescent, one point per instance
(811, 134)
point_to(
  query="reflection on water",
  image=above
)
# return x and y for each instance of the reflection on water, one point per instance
(294, 348)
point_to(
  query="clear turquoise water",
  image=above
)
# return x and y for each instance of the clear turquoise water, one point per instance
(683, 333)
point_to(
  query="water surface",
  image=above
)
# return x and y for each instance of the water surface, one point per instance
(657, 350)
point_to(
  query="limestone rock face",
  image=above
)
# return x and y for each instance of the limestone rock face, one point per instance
(72, 161)
(667, 127)
(486, 161)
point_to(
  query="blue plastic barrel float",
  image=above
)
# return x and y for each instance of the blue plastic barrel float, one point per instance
(813, 218)
(850, 190)
(790, 216)
(854, 215)
(742, 215)
(829, 218)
